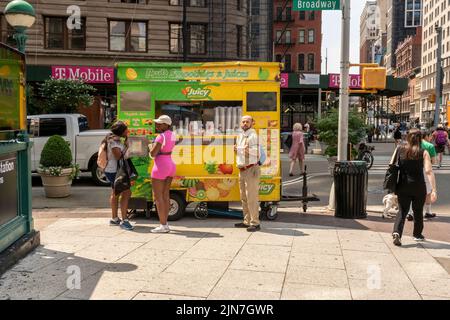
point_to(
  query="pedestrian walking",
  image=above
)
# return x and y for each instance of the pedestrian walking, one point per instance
(397, 135)
(297, 150)
(163, 170)
(440, 138)
(428, 146)
(247, 153)
(116, 145)
(411, 187)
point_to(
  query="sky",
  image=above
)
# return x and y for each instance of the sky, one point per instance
(331, 30)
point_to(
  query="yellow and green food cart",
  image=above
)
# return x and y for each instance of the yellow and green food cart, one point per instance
(205, 102)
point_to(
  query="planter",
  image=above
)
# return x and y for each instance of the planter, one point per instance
(331, 164)
(56, 186)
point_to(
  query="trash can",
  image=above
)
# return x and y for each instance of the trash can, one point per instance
(350, 187)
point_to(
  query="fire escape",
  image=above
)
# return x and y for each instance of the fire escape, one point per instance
(286, 21)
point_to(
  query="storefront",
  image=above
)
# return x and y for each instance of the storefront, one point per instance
(103, 111)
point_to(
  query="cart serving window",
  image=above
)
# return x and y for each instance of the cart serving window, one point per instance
(205, 102)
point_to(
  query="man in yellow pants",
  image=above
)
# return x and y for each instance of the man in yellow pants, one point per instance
(247, 150)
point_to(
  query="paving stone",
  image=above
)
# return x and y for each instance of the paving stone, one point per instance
(215, 249)
(300, 291)
(316, 260)
(392, 290)
(242, 294)
(432, 286)
(317, 276)
(158, 296)
(251, 280)
(262, 258)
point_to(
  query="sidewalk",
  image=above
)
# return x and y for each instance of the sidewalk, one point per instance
(210, 259)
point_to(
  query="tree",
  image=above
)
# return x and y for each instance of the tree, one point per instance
(329, 129)
(65, 96)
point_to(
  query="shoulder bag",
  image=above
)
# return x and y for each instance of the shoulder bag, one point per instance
(392, 173)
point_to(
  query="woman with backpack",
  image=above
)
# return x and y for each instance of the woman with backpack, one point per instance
(297, 150)
(115, 149)
(440, 138)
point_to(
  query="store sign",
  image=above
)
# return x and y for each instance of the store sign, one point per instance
(355, 81)
(10, 77)
(87, 74)
(8, 187)
(309, 79)
(284, 80)
(196, 93)
(317, 5)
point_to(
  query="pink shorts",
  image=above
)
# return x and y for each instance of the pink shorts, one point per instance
(163, 167)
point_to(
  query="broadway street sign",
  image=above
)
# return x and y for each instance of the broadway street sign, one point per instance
(316, 5)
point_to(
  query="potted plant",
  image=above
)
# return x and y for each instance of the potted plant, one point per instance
(328, 133)
(56, 168)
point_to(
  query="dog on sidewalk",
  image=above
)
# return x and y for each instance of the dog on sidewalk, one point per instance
(390, 201)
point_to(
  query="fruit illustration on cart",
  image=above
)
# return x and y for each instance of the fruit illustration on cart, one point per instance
(211, 167)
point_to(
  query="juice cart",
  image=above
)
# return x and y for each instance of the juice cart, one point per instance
(205, 102)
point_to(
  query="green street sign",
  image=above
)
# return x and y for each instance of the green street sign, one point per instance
(316, 5)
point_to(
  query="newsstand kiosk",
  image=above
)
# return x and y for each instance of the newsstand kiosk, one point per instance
(205, 102)
(17, 236)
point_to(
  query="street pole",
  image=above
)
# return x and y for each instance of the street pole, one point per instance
(343, 90)
(319, 109)
(437, 110)
(185, 31)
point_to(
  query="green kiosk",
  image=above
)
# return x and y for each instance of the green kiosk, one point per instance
(17, 235)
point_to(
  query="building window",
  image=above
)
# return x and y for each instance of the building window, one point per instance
(127, 36)
(413, 13)
(301, 36)
(134, 1)
(279, 13)
(239, 5)
(190, 3)
(301, 62)
(310, 61)
(238, 40)
(311, 36)
(287, 62)
(176, 38)
(278, 58)
(301, 15)
(288, 13)
(288, 36)
(279, 33)
(59, 36)
(196, 36)
(255, 7)
(7, 32)
(311, 15)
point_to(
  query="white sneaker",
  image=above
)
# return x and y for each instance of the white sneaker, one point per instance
(161, 229)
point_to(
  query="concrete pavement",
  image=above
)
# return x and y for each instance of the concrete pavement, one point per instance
(209, 259)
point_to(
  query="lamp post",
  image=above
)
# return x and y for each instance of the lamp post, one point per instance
(20, 15)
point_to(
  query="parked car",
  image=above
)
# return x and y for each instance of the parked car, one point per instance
(74, 128)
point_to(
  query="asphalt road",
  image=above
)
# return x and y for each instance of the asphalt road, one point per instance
(87, 194)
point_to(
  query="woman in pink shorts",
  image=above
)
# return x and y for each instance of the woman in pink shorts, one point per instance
(163, 170)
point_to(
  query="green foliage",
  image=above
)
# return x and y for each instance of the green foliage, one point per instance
(56, 153)
(328, 130)
(35, 103)
(64, 96)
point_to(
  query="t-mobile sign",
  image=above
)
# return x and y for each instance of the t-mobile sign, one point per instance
(87, 74)
(354, 81)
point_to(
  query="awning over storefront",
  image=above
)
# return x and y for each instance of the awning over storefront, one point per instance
(294, 80)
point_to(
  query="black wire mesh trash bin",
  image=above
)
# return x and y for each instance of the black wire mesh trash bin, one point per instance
(350, 189)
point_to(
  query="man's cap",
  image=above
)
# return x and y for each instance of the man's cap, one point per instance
(164, 119)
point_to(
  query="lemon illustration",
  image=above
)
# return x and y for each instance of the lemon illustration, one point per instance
(4, 71)
(131, 74)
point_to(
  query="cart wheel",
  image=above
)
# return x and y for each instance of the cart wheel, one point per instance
(264, 208)
(305, 207)
(201, 211)
(148, 211)
(271, 213)
(177, 206)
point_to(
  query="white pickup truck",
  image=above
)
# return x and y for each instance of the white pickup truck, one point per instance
(73, 128)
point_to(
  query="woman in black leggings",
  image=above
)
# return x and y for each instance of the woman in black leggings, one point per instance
(415, 167)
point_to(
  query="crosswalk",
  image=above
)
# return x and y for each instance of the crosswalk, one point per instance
(380, 168)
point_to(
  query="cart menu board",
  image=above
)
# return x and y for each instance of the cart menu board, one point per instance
(8, 187)
(10, 77)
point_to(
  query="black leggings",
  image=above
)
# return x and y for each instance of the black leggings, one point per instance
(404, 201)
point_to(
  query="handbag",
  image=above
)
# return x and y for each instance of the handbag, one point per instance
(126, 172)
(392, 173)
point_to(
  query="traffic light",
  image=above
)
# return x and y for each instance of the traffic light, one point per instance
(374, 78)
(432, 98)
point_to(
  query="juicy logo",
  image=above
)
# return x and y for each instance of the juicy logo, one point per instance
(266, 188)
(192, 93)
